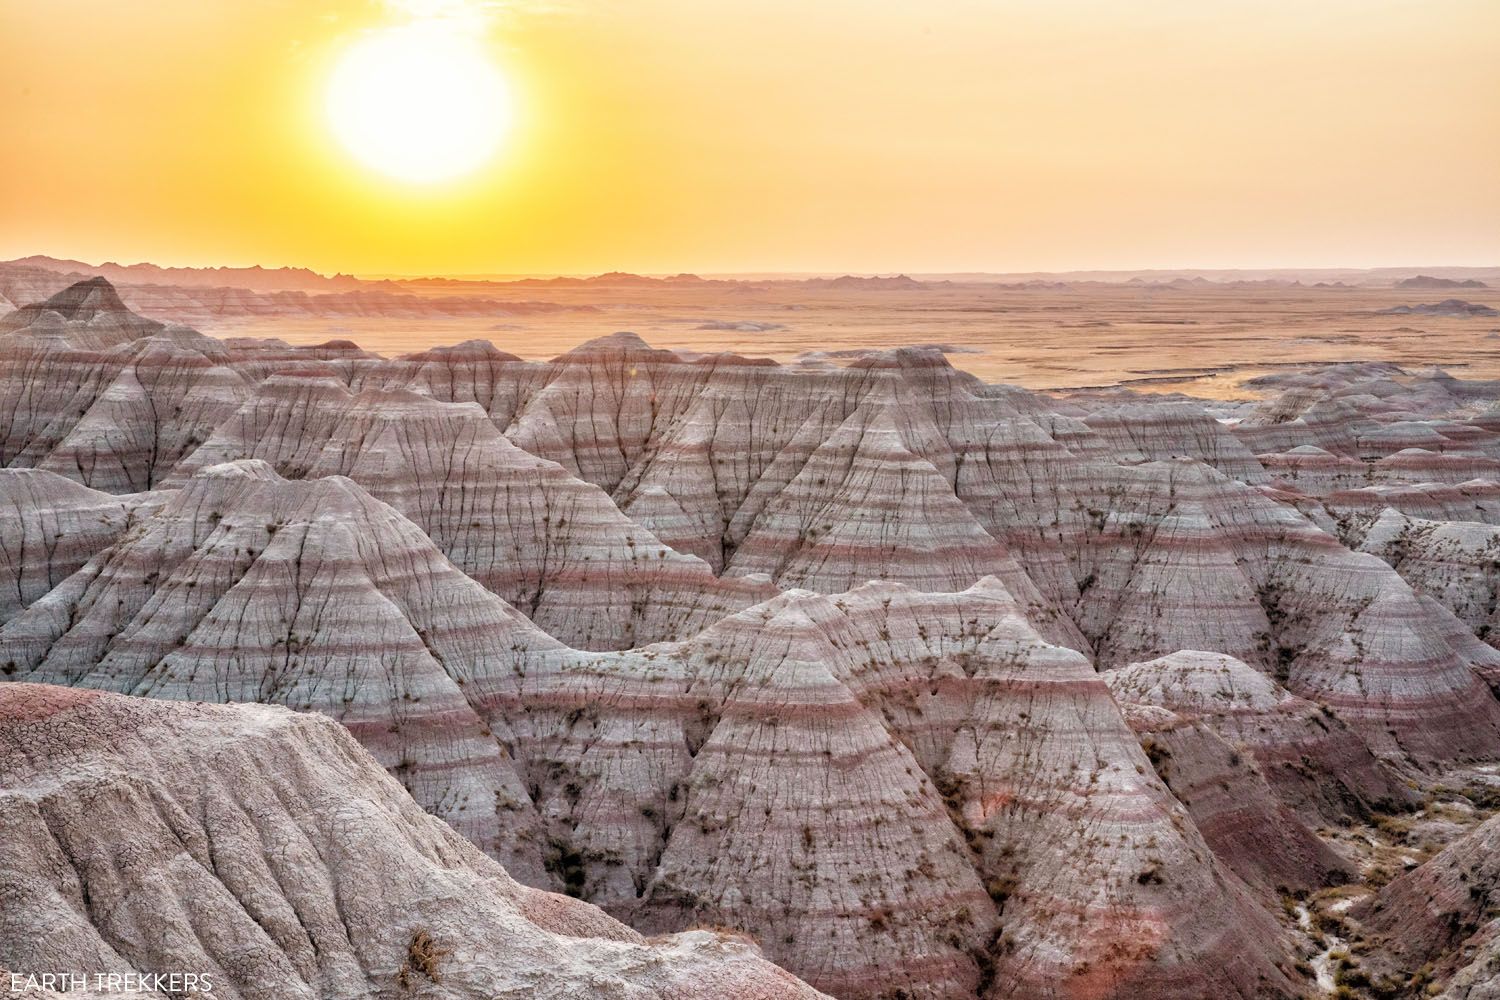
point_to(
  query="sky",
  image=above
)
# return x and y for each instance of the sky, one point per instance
(778, 135)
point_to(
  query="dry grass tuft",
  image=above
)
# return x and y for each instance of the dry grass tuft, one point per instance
(422, 955)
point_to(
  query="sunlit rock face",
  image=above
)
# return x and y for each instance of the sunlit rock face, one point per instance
(839, 770)
(49, 527)
(265, 852)
(550, 544)
(96, 393)
(248, 587)
(937, 689)
(891, 790)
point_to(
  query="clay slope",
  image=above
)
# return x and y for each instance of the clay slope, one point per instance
(897, 793)
(247, 587)
(265, 850)
(49, 527)
(1442, 919)
(94, 392)
(890, 790)
(699, 449)
(1031, 683)
(1153, 432)
(1455, 562)
(1253, 763)
(1179, 557)
(1312, 760)
(550, 544)
(863, 506)
(896, 468)
(821, 479)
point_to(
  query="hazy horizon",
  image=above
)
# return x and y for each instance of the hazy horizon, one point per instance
(664, 136)
(773, 274)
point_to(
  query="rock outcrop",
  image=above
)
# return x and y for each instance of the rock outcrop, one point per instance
(1457, 563)
(550, 544)
(49, 527)
(840, 777)
(1311, 760)
(265, 853)
(96, 393)
(248, 587)
(1442, 919)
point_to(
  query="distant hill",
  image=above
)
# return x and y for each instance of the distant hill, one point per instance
(255, 278)
(1428, 281)
(1447, 307)
(283, 279)
(896, 283)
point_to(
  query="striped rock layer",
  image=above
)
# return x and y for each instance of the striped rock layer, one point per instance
(550, 544)
(881, 786)
(49, 527)
(1442, 917)
(939, 689)
(265, 851)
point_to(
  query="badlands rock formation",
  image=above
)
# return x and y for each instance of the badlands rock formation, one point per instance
(936, 688)
(1457, 563)
(49, 527)
(842, 777)
(1251, 760)
(93, 392)
(161, 294)
(550, 544)
(1443, 918)
(264, 851)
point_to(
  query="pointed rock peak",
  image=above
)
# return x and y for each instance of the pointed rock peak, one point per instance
(86, 299)
(878, 416)
(875, 591)
(48, 484)
(877, 430)
(1391, 518)
(792, 602)
(253, 488)
(992, 587)
(1184, 471)
(1148, 718)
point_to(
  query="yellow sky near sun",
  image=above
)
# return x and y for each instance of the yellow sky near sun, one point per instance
(707, 135)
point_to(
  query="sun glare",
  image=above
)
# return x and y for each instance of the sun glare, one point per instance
(421, 103)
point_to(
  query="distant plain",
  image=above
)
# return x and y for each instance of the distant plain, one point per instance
(1205, 341)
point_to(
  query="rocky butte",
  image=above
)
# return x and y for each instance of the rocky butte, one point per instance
(929, 687)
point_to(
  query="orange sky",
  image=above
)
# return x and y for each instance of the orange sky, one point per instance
(708, 135)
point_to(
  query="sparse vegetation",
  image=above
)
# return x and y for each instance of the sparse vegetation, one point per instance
(422, 957)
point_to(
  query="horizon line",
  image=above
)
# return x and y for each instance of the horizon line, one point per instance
(771, 273)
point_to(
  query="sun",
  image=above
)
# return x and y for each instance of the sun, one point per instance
(421, 103)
